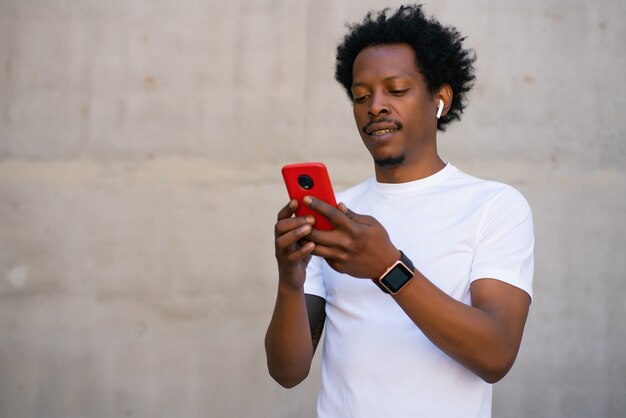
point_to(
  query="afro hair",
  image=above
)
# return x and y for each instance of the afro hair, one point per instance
(439, 52)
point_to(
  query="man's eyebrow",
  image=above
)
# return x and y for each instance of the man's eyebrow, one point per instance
(390, 78)
(358, 83)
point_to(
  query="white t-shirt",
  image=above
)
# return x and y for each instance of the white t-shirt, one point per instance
(455, 228)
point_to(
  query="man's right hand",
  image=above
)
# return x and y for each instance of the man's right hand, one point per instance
(293, 252)
(292, 335)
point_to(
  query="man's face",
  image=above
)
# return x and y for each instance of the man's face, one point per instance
(393, 109)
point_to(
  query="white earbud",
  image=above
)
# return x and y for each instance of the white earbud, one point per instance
(440, 108)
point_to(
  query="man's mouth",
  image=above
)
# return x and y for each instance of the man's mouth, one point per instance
(381, 127)
(380, 132)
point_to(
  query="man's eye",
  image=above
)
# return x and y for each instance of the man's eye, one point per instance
(398, 92)
(360, 99)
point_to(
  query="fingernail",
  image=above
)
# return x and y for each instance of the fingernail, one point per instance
(307, 199)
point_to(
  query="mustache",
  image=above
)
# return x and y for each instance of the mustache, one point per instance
(381, 120)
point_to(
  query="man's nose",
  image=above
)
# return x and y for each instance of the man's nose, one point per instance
(378, 105)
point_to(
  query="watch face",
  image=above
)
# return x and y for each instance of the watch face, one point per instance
(396, 277)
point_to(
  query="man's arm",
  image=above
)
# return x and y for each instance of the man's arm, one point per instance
(298, 319)
(292, 336)
(484, 336)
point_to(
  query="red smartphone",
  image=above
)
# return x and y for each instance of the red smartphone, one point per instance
(310, 179)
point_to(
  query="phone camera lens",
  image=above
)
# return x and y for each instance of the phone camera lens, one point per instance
(305, 182)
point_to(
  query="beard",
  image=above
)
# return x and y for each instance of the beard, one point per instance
(390, 162)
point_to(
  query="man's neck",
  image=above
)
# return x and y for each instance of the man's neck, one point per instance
(409, 171)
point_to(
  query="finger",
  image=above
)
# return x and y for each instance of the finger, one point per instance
(288, 210)
(287, 240)
(356, 217)
(334, 215)
(344, 209)
(301, 252)
(285, 225)
(329, 253)
(331, 239)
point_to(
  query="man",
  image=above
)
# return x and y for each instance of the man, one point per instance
(451, 256)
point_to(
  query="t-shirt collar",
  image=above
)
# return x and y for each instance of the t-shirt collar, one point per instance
(415, 185)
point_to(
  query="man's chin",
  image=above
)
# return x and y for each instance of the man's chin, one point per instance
(390, 162)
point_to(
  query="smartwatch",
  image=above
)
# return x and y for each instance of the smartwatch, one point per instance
(396, 276)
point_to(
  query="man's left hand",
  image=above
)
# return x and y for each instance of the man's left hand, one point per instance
(359, 245)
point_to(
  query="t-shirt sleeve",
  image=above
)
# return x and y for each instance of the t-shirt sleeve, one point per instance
(314, 283)
(505, 242)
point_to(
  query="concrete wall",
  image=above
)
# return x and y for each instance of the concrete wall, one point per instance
(140, 147)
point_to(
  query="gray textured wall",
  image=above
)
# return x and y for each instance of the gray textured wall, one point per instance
(140, 147)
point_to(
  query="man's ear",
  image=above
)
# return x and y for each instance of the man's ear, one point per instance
(445, 95)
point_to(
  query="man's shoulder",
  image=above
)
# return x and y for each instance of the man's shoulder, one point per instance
(489, 189)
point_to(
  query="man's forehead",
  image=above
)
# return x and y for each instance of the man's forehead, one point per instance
(385, 62)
